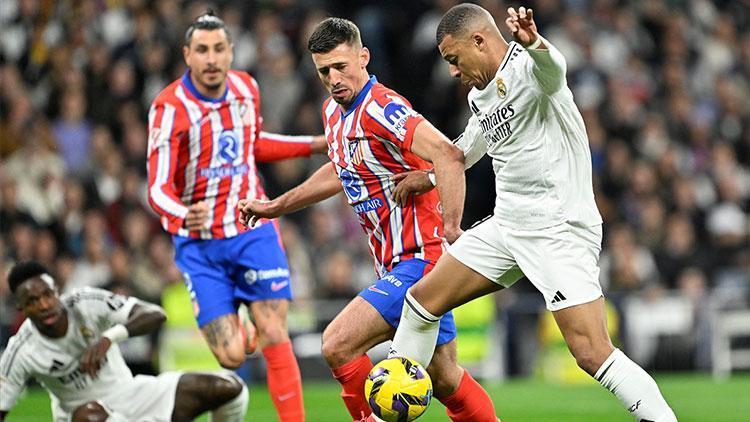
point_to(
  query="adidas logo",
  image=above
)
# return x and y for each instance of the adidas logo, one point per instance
(558, 297)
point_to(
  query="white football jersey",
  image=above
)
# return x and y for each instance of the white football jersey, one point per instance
(54, 363)
(526, 120)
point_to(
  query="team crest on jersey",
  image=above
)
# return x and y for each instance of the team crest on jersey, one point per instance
(502, 90)
(247, 116)
(355, 150)
(87, 333)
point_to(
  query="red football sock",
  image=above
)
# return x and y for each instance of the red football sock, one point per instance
(469, 402)
(285, 382)
(351, 376)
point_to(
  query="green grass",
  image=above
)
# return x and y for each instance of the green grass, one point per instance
(693, 397)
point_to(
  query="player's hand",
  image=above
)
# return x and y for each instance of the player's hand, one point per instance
(197, 217)
(91, 360)
(410, 183)
(252, 210)
(319, 144)
(452, 234)
(522, 26)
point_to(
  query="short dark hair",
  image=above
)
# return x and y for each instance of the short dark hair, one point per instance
(208, 21)
(331, 32)
(23, 271)
(457, 19)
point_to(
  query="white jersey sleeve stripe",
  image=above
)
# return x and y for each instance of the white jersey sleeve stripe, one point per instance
(286, 138)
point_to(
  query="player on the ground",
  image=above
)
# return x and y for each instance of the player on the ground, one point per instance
(545, 224)
(204, 140)
(69, 345)
(374, 134)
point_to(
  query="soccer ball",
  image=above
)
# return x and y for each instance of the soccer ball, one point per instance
(398, 390)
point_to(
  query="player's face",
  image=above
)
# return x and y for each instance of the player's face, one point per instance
(209, 56)
(464, 60)
(343, 71)
(40, 303)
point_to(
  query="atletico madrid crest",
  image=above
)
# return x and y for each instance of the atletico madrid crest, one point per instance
(502, 90)
(354, 150)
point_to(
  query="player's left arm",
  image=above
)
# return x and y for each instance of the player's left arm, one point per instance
(274, 147)
(448, 161)
(126, 317)
(549, 65)
(13, 378)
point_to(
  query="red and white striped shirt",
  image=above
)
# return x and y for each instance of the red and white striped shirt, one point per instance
(367, 145)
(205, 149)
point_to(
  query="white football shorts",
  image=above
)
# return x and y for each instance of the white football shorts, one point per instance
(560, 261)
(145, 399)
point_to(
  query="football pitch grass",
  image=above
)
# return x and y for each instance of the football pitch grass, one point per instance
(693, 397)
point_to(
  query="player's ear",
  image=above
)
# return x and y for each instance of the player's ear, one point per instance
(477, 40)
(186, 54)
(364, 57)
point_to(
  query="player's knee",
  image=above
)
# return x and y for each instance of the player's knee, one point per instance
(335, 350)
(230, 357)
(445, 378)
(272, 333)
(587, 360)
(90, 412)
(226, 388)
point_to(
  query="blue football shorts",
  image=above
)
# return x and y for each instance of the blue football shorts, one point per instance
(388, 292)
(221, 273)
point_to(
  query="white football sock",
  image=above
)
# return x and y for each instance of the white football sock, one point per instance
(234, 410)
(635, 388)
(417, 333)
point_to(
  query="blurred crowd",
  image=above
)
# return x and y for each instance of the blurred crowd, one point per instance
(663, 87)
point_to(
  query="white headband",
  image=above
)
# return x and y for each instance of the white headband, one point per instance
(48, 279)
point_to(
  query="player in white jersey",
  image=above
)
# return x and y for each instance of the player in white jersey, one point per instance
(68, 344)
(545, 224)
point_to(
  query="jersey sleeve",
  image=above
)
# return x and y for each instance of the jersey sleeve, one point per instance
(548, 67)
(13, 376)
(270, 146)
(274, 147)
(392, 119)
(471, 142)
(163, 150)
(104, 306)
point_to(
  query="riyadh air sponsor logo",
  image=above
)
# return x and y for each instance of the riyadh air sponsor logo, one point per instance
(366, 206)
(251, 275)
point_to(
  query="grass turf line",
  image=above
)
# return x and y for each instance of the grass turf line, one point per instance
(693, 397)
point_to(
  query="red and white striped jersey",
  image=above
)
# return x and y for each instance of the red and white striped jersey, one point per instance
(205, 149)
(367, 145)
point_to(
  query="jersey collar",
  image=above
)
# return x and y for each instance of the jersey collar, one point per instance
(193, 90)
(360, 97)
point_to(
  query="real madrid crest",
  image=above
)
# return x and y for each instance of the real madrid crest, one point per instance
(502, 90)
(87, 333)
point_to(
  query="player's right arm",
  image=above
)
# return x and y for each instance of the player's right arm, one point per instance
(163, 155)
(322, 184)
(13, 377)
(119, 317)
